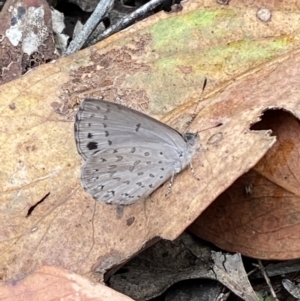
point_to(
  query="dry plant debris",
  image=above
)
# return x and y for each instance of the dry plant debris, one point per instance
(157, 66)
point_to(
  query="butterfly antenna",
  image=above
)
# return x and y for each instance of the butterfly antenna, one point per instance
(200, 98)
(196, 109)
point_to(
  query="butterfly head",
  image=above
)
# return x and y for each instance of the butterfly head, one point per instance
(191, 138)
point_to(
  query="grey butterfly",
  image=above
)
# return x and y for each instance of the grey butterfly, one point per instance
(127, 154)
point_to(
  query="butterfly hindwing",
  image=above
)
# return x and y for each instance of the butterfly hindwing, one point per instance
(124, 175)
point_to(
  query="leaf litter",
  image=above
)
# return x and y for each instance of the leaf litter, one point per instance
(36, 139)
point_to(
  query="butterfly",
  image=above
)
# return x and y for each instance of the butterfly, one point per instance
(127, 154)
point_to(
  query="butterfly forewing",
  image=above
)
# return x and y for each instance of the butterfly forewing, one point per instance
(101, 124)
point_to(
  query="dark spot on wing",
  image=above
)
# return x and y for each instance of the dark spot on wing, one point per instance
(126, 182)
(109, 142)
(89, 124)
(98, 108)
(131, 168)
(151, 186)
(106, 133)
(162, 168)
(146, 154)
(90, 135)
(104, 117)
(111, 173)
(137, 127)
(103, 160)
(104, 125)
(132, 150)
(139, 183)
(112, 166)
(159, 162)
(161, 153)
(140, 173)
(92, 145)
(109, 193)
(151, 175)
(119, 158)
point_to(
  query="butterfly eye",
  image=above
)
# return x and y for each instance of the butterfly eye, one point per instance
(190, 138)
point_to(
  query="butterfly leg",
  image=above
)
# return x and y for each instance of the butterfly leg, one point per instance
(170, 184)
(193, 172)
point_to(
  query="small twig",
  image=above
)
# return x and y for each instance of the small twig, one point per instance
(264, 273)
(122, 23)
(223, 296)
(102, 9)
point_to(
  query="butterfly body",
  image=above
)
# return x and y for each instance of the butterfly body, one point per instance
(127, 154)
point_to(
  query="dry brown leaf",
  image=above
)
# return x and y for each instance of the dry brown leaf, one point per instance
(259, 214)
(158, 59)
(51, 283)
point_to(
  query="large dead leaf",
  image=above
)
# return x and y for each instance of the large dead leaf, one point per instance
(154, 66)
(259, 214)
(51, 283)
